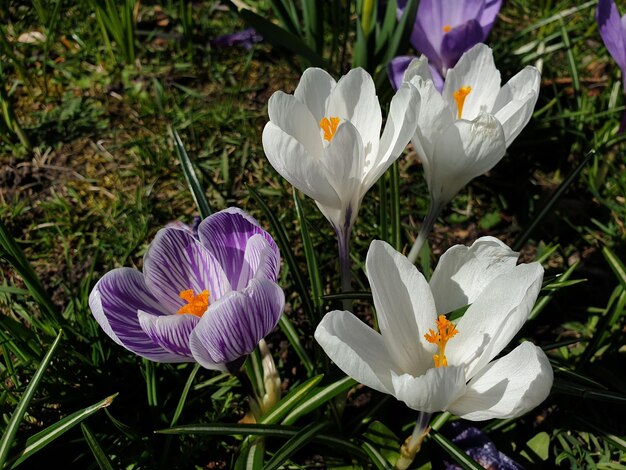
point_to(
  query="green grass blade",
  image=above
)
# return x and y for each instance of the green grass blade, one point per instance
(317, 288)
(378, 460)
(289, 401)
(616, 265)
(455, 452)
(18, 414)
(285, 249)
(190, 176)
(543, 302)
(221, 429)
(251, 454)
(40, 440)
(294, 444)
(183, 396)
(318, 398)
(294, 339)
(96, 449)
(254, 371)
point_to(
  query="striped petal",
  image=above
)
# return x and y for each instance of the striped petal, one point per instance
(232, 327)
(175, 262)
(115, 301)
(171, 332)
(226, 234)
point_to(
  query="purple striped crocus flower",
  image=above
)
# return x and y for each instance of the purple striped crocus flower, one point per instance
(613, 31)
(443, 31)
(209, 298)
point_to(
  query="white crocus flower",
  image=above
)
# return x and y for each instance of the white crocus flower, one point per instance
(465, 131)
(325, 139)
(430, 363)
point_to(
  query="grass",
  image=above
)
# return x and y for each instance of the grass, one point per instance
(103, 176)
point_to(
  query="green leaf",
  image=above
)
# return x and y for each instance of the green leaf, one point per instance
(18, 414)
(454, 451)
(318, 398)
(539, 444)
(43, 438)
(303, 436)
(280, 37)
(616, 265)
(268, 430)
(378, 460)
(288, 402)
(385, 441)
(294, 339)
(96, 449)
(190, 176)
(183, 396)
(251, 454)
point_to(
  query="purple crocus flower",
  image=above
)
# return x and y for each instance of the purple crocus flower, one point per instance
(209, 299)
(613, 31)
(443, 31)
(245, 38)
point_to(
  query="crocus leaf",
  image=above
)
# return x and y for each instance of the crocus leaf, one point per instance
(454, 451)
(294, 397)
(375, 457)
(296, 442)
(96, 449)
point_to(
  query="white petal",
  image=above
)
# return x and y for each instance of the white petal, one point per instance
(477, 70)
(314, 89)
(433, 391)
(343, 163)
(295, 119)
(354, 99)
(404, 306)
(434, 116)
(464, 151)
(418, 68)
(508, 387)
(516, 101)
(464, 272)
(296, 165)
(399, 128)
(495, 318)
(356, 349)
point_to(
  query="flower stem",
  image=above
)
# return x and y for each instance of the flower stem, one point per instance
(412, 445)
(429, 221)
(343, 242)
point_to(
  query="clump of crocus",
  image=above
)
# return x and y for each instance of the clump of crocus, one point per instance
(428, 361)
(443, 31)
(209, 298)
(325, 139)
(613, 31)
(465, 130)
(246, 38)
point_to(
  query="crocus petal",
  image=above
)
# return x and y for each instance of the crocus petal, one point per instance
(296, 165)
(490, 12)
(610, 26)
(115, 301)
(294, 118)
(343, 164)
(418, 68)
(463, 151)
(354, 99)
(226, 234)
(171, 332)
(232, 327)
(477, 70)
(428, 31)
(404, 305)
(516, 101)
(463, 272)
(508, 387)
(495, 317)
(399, 128)
(259, 261)
(175, 262)
(460, 39)
(357, 349)
(396, 68)
(314, 89)
(430, 392)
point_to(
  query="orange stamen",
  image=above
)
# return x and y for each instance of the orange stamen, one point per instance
(446, 330)
(447, 28)
(329, 126)
(196, 304)
(459, 97)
